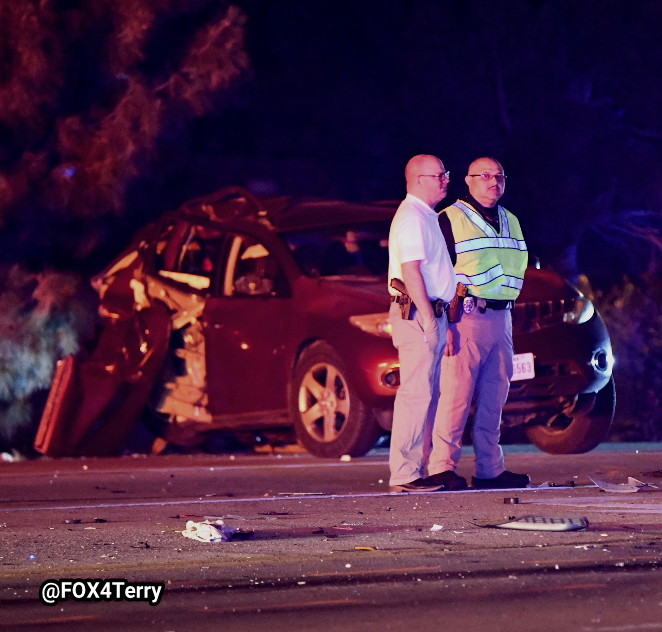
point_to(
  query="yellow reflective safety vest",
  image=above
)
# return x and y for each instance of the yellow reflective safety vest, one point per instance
(490, 264)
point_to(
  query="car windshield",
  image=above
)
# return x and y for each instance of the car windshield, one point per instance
(358, 249)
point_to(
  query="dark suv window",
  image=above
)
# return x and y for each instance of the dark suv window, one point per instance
(359, 249)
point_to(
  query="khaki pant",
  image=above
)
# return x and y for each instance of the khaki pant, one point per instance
(416, 400)
(480, 371)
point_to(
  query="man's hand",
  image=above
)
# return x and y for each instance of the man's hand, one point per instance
(413, 279)
(431, 333)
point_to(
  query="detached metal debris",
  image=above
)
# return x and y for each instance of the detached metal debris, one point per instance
(542, 523)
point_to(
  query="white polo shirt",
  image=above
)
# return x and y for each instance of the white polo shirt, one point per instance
(415, 236)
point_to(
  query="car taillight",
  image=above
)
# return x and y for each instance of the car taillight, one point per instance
(375, 324)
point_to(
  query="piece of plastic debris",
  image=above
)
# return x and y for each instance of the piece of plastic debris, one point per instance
(633, 485)
(73, 521)
(345, 458)
(206, 531)
(365, 548)
(436, 527)
(548, 484)
(511, 500)
(542, 523)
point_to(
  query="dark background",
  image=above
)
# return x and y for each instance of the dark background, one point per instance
(112, 112)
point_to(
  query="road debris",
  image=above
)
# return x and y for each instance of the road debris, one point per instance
(541, 523)
(213, 531)
(633, 485)
(547, 484)
(511, 500)
(436, 527)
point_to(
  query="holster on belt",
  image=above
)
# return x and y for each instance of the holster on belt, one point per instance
(455, 306)
(405, 303)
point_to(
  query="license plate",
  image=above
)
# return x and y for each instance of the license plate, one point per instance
(523, 368)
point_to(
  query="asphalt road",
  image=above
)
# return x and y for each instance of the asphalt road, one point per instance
(324, 544)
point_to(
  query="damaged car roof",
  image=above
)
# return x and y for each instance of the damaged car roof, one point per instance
(286, 213)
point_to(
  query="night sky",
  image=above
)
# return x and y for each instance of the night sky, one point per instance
(566, 94)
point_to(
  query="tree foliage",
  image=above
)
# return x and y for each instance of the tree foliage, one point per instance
(95, 99)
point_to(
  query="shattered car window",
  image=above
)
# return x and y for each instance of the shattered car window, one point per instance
(359, 249)
(189, 254)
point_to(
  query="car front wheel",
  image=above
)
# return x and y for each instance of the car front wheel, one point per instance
(329, 418)
(568, 434)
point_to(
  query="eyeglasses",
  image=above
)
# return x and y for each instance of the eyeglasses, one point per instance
(446, 175)
(486, 177)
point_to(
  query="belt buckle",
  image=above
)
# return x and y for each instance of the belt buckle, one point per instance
(468, 304)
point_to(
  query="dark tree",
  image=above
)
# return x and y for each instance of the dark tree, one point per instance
(96, 103)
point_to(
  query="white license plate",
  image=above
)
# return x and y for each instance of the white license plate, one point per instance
(523, 368)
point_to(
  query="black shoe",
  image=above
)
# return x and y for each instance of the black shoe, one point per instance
(419, 485)
(449, 481)
(505, 480)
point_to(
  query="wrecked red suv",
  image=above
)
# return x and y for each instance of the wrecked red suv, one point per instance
(237, 314)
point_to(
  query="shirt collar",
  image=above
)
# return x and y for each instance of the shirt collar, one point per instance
(424, 205)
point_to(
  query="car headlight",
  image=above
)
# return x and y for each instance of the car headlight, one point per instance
(375, 324)
(581, 311)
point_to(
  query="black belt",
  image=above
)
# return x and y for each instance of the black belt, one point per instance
(439, 306)
(493, 303)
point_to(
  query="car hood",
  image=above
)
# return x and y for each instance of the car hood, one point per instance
(356, 293)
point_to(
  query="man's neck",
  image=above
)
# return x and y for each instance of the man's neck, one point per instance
(490, 213)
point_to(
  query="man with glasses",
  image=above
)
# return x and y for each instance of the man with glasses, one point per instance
(489, 253)
(418, 256)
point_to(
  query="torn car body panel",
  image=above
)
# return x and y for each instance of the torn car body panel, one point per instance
(95, 401)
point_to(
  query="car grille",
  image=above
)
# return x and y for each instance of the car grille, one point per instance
(536, 315)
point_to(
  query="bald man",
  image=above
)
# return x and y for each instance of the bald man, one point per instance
(418, 256)
(490, 256)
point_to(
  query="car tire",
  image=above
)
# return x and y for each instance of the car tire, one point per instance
(329, 418)
(564, 434)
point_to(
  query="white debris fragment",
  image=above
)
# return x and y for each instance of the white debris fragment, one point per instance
(633, 485)
(345, 458)
(436, 527)
(206, 531)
